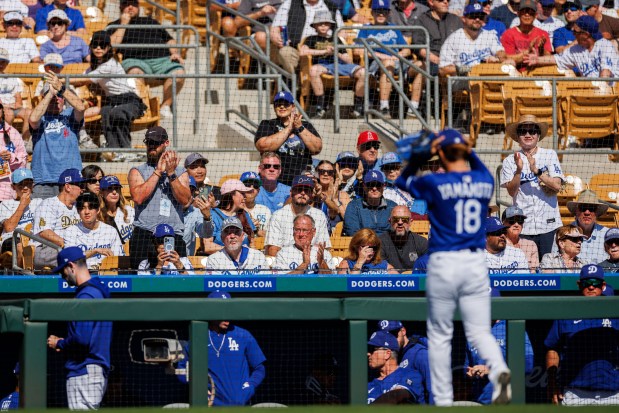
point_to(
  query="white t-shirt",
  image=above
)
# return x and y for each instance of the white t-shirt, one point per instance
(21, 50)
(262, 214)
(168, 269)
(280, 233)
(105, 236)
(9, 87)
(251, 262)
(53, 214)
(509, 261)
(541, 209)
(290, 257)
(461, 50)
(590, 63)
(8, 208)
(115, 85)
(125, 228)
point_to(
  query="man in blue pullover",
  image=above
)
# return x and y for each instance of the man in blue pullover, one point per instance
(88, 342)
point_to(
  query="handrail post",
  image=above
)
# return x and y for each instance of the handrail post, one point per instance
(33, 366)
(198, 371)
(358, 332)
(516, 358)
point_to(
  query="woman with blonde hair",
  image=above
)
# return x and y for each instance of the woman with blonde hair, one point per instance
(569, 241)
(114, 210)
(364, 255)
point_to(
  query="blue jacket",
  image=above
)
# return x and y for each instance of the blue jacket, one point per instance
(399, 379)
(10, 402)
(88, 342)
(415, 357)
(360, 215)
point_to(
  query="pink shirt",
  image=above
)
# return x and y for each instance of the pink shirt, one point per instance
(18, 160)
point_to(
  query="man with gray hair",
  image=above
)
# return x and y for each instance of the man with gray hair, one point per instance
(302, 257)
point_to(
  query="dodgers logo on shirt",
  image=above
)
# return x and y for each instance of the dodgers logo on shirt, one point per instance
(232, 344)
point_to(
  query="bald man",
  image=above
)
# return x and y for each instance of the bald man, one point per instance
(401, 246)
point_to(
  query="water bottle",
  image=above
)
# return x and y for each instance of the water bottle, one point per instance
(285, 39)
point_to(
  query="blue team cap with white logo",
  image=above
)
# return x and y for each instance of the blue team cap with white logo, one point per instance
(373, 176)
(381, 4)
(592, 271)
(474, 8)
(222, 295)
(163, 230)
(250, 176)
(390, 158)
(70, 176)
(67, 255)
(590, 25)
(21, 174)
(493, 224)
(302, 180)
(346, 155)
(283, 95)
(384, 339)
(109, 181)
(451, 137)
(389, 325)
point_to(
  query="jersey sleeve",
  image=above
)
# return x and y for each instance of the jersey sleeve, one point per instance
(273, 234)
(71, 237)
(554, 167)
(553, 337)
(565, 60)
(254, 353)
(448, 54)
(508, 170)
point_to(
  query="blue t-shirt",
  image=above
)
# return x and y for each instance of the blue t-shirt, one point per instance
(496, 26)
(380, 268)
(457, 205)
(274, 200)
(388, 37)
(399, 379)
(562, 37)
(218, 217)
(56, 146)
(589, 352)
(75, 52)
(10, 402)
(77, 21)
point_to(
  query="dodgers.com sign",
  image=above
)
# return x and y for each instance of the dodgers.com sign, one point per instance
(526, 282)
(370, 283)
(240, 284)
(116, 284)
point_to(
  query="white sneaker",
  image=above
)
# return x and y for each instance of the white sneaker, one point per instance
(85, 141)
(165, 112)
(502, 389)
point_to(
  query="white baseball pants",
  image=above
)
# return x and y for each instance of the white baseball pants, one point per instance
(86, 392)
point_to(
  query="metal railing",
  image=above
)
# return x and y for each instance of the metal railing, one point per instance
(14, 241)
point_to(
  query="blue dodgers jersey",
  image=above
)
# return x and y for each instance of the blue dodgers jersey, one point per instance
(589, 352)
(400, 379)
(10, 402)
(239, 357)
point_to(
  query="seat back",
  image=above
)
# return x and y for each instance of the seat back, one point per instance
(339, 246)
(589, 114)
(420, 227)
(114, 265)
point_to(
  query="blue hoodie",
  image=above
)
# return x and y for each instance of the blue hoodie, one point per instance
(88, 342)
(415, 357)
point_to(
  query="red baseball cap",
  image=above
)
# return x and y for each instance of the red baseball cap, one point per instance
(367, 136)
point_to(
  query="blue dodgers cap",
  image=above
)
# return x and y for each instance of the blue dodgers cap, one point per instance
(451, 137)
(612, 233)
(390, 325)
(283, 95)
(70, 176)
(346, 155)
(109, 181)
(381, 4)
(250, 176)
(384, 339)
(163, 230)
(67, 255)
(373, 176)
(474, 8)
(302, 180)
(493, 224)
(389, 158)
(20, 174)
(222, 295)
(592, 271)
(589, 25)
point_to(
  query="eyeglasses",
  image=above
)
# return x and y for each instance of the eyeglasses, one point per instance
(271, 166)
(570, 8)
(391, 167)
(405, 220)
(369, 145)
(575, 240)
(255, 185)
(591, 282)
(497, 233)
(56, 23)
(373, 185)
(518, 220)
(14, 23)
(232, 230)
(531, 130)
(587, 207)
(282, 103)
(302, 230)
(476, 16)
(101, 45)
(329, 172)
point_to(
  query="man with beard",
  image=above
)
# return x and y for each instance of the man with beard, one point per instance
(500, 257)
(235, 258)
(280, 230)
(402, 247)
(160, 191)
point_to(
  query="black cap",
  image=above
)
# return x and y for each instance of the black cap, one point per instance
(124, 3)
(156, 134)
(101, 37)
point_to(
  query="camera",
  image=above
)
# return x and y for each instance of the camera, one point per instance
(161, 350)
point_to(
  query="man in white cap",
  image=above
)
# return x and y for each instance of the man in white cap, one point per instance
(76, 20)
(235, 258)
(21, 49)
(513, 218)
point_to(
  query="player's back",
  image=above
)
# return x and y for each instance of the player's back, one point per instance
(458, 206)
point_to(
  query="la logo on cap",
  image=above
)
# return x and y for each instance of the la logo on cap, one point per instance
(374, 175)
(477, 6)
(67, 179)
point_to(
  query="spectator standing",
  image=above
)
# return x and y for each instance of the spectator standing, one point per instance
(163, 261)
(260, 214)
(71, 48)
(294, 139)
(506, 13)
(304, 257)
(114, 209)
(160, 191)
(55, 132)
(406, 13)
(11, 89)
(533, 177)
(501, 258)
(401, 246)
(513, 218)
(569, 241)
(585, 351)
(74, 17)
(12, 155)
(611, 246)
(96, 239)
(273, 193)
(364, 255)
(197, 219)
(235, 258)
(21, 50)
(370, 211)
(280, 230)
(87, 345)
(159, 60)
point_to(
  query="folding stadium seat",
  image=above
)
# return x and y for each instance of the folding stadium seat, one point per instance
(151, 114)
(339, 246)
(114, 265)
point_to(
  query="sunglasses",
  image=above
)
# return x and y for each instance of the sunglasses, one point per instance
(391, 167)
(273, 166)
(92, 181)
(14, 23)
(512, 221)
(610, 242)
(149, 142)
(235, 231)
(591, 282)
(587, 207)
(497, 233)
(372, 185)
(56, 23)
(476, 16)
(114, 188)
(254, 185)
(329, 172)
(570, 8)
(381, 11)
(348, 164)
(530, 12)
(370, 145)
(575, 240)
(300, 189)
(531, 130)
(405, 220)
(282, 104)
(99, 45)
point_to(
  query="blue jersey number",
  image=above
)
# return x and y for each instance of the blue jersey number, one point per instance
(468, 216)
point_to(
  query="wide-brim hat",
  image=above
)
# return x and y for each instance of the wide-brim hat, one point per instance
(524, 119)
(587, 197)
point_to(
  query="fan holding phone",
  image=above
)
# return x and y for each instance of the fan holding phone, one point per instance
(166, 261)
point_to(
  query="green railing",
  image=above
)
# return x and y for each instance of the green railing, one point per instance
(31, 317)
